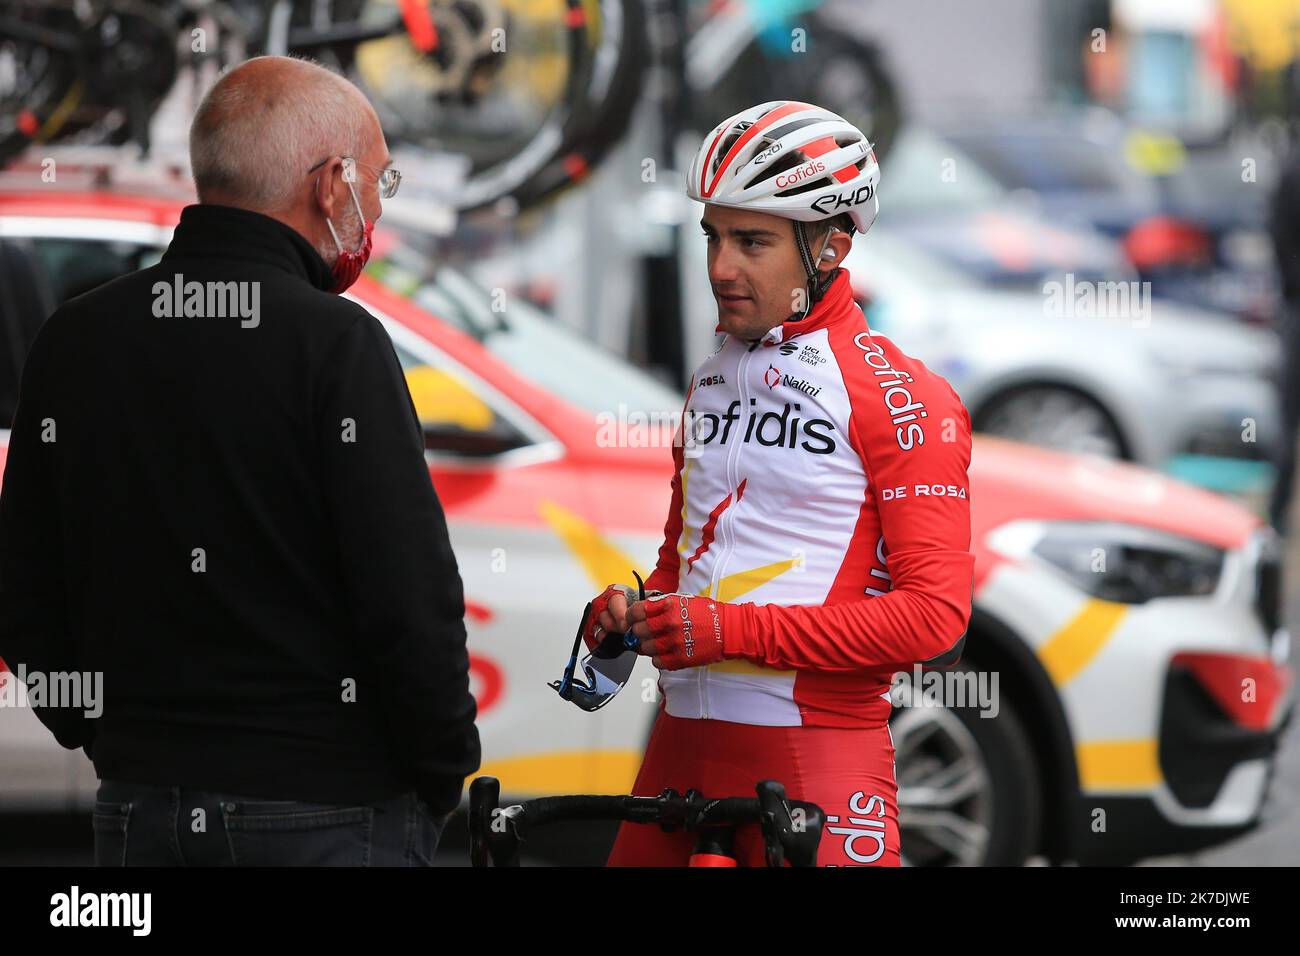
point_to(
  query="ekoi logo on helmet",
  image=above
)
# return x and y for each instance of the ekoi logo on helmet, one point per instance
(831, 204)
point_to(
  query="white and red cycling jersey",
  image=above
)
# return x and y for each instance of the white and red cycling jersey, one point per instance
(821, 483)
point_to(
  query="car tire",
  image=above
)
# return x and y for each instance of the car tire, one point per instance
(1053, 415)
(990, 814)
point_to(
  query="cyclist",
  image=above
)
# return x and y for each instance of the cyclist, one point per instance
(819, 533)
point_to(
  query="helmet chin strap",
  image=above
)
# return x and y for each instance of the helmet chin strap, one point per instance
(816, 287)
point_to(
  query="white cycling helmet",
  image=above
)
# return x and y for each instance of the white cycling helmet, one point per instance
(788, 159)
(792, 160)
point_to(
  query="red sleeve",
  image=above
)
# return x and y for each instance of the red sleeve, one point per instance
(924, 617)
(665, 575)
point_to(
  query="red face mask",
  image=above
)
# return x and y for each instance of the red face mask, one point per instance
(349, 264)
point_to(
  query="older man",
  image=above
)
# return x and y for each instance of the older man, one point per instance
(216, 498)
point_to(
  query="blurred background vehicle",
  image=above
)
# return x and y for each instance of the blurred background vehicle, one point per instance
(1070, 379)
(972, 222)
(1186, 219)
(538, 272)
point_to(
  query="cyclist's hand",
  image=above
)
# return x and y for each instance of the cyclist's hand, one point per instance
(679, 630)
(608, 614)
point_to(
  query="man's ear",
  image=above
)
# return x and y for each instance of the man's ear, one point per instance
(839, 245)
(327, 177)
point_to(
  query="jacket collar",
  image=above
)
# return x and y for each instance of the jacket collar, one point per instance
(225, 232)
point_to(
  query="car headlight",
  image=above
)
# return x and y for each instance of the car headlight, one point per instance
(1117, 562)
(1129, 564)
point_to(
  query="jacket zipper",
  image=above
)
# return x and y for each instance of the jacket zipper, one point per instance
(725, 524)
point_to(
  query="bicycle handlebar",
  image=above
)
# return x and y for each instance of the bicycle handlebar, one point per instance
(791, 829)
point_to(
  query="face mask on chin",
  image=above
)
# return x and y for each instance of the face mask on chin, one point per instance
(347, 267)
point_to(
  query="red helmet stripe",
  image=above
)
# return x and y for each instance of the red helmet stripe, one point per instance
(704, 169)
(820, 147)
(779, 113)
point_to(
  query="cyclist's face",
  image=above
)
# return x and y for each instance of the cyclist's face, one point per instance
(754, 269)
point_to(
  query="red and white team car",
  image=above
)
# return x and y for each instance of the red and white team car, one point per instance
(1124, 667)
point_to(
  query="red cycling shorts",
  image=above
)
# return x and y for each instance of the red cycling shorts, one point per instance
(849, 773)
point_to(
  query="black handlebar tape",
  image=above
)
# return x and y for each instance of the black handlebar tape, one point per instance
(774, 820)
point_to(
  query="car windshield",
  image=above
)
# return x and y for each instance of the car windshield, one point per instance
(536, 346)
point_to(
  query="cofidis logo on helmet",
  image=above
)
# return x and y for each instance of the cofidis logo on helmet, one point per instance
(904, 411)
(796, 176)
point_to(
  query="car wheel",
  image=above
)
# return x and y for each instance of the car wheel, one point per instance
(1055, 417)
(968, 790)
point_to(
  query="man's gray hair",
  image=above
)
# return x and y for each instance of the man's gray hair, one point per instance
(253, 141)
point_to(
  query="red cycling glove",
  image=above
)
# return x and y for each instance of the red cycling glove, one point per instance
(683, 631)
(593, 633)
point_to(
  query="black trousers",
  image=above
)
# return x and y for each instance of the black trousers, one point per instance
(145, 825)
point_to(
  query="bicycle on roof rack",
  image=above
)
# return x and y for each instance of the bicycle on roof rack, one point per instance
(791, 828)
(526, 97)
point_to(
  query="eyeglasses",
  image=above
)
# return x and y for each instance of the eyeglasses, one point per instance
(389, 178)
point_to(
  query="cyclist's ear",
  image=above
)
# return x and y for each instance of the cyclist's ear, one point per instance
(837, 248)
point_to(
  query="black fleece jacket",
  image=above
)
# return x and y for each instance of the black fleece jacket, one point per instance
(229, 518)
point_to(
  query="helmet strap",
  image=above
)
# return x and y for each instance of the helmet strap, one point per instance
(817, 286)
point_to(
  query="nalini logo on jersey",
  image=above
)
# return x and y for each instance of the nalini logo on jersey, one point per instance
(903, 409)
(774, 377)
(801, 385)
(783, 429)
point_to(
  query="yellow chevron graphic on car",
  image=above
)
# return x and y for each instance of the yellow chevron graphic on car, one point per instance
(1118, 764)
(1076, 645)
(604, 562)
(577, 771)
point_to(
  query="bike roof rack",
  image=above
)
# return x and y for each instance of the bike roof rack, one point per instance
(122, 169)
(98, 167)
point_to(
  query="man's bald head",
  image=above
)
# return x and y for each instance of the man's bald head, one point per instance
(266, 122)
